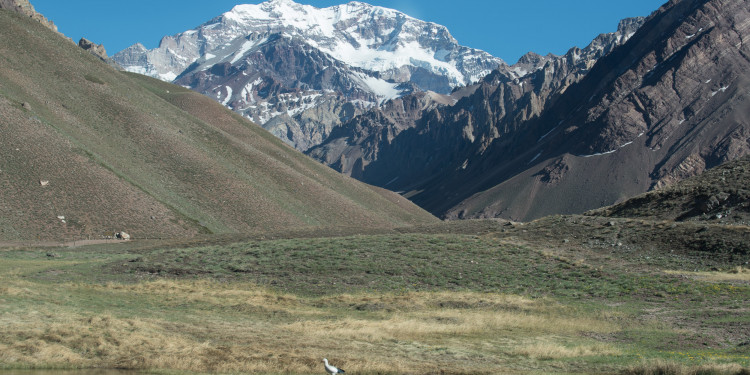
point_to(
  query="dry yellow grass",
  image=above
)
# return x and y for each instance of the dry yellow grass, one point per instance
(403, 333)
(544, 349)
(737, 274)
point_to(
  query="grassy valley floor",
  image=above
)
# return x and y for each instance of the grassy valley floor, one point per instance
(477, 297)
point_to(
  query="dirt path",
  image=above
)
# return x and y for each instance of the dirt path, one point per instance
(57, 243)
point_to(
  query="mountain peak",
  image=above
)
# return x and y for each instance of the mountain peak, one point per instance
(358, 34)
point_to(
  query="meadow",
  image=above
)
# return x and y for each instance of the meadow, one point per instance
(450, 299)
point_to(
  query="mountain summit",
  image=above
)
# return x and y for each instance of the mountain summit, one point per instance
(300, 71)
(360, 35)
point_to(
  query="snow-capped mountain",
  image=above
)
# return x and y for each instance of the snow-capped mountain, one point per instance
(357, 34)
(337, 62)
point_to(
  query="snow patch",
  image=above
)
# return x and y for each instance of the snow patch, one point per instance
(548, 133)
(246, 46)
(608, 152)
(535, 157)
(229, 96)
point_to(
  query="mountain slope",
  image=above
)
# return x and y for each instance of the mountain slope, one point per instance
(301, 71)
(719, 195)
(665, 105)
(86, 150)
(443, 139)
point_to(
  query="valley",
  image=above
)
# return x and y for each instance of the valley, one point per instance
(555, 296)
(578, 214)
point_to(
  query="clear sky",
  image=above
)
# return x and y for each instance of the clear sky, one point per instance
(504, 28)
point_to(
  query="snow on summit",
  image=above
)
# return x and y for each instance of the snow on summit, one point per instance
(358, 34)
(300, 71)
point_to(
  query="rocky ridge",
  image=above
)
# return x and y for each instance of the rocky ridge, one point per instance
(666, 105)
(658, 105)
(719, 195)
(24, 7)
(449, 133)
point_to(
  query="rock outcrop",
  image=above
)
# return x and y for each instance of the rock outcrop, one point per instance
(24, 7)
(97, 50)
(719, 195)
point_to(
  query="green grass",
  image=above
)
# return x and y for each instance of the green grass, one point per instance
(472, 303)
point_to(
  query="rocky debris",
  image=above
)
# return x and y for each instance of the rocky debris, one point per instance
(554, 172)
(44, 182)
(97, 50)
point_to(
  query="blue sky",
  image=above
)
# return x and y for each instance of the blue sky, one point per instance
(505, 28)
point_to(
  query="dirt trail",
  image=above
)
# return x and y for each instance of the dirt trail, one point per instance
(76, 243)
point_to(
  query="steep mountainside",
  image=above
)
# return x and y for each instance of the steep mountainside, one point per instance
(86, 150)
(665, 106)
(353, 146)
(719, 195)
(442, 137)
(669, 103)
(370, 51)
(298, 92)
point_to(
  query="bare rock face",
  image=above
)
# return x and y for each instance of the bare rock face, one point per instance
(24, 7)
(353, 146)
(294, 90)
(97, 50)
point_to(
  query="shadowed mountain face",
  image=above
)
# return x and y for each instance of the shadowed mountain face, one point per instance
(411, 140)
(86, 150)
(669, 103)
